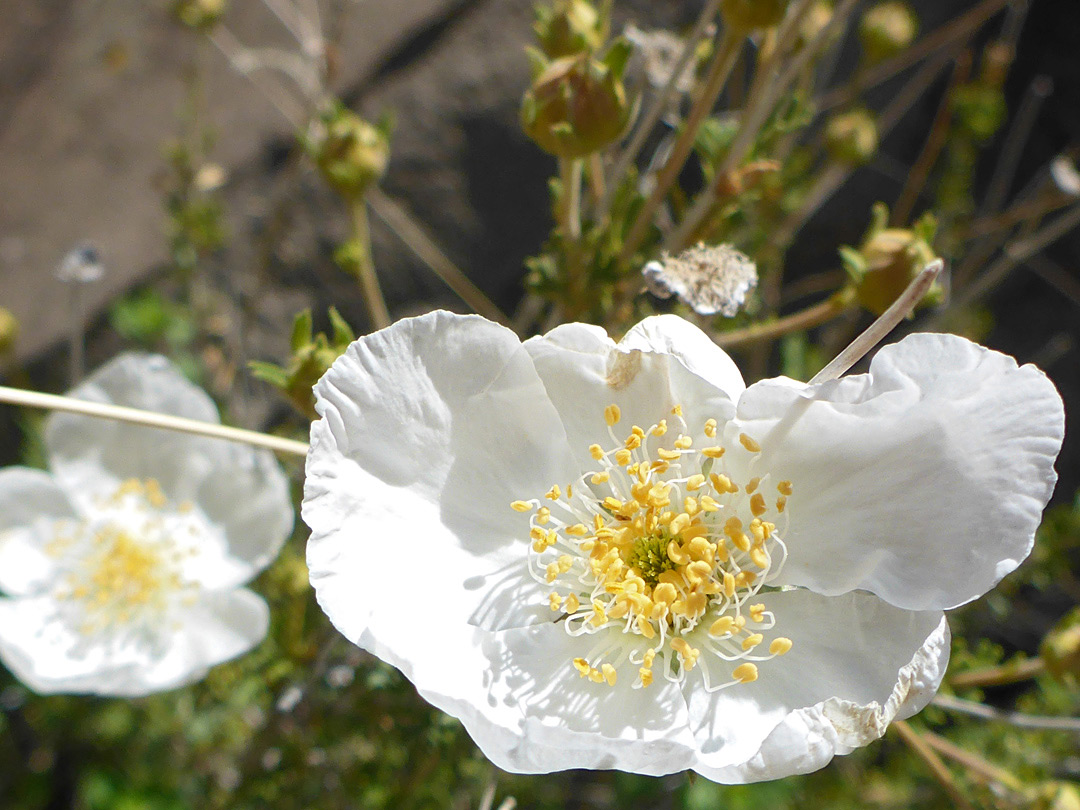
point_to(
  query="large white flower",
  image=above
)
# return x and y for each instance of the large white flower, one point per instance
(124, 564)
(618, 556)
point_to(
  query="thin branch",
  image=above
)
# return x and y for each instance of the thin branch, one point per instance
(879, 329)
(1016, 138)
(1000, 675)
(797, 321)
(369, 281)
(1018, 719)
(933, 762)
(974, 763)
(398, 219)
(53, 402)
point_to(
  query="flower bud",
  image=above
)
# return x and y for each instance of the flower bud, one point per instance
(350, 152)
(819, 16)
(852, 137)
(888, 260)
(199, 14)
(886, 29)
(1060, 650)
(9, 331)
(750, 15)
(568, 28)
(577, 105)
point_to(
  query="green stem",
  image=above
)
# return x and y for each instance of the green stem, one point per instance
(795, 322)
(365, 267)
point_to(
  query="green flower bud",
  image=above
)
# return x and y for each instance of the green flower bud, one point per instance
(578, 105)
(888, 260)
(852, 137)
(1060, 650)
(199, 14)
(9, 331)
(568, 28)
(750, 15)
(886, 29)
(350, 152)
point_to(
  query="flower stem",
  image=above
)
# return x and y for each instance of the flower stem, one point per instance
(135, 416)
(876, 332)
(933, 762)
(999, 675)
(803, 319)
(369, 282)
(1018, 719)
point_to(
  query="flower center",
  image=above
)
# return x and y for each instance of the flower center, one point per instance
(659, 554)
(122, 570)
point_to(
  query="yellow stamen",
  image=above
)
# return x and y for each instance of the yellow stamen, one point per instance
(521, 506)
(745, 673)
(780, 645)
(749, 443)
(612, 415)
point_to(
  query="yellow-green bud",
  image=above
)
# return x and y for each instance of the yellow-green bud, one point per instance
(9, 331)
(350, 152)
(1060, 649)
(819, 16)
(568, 27)
(199, 14)
(750, 15)
(886, 29)
(852, 137)
(576, 106)
(888, 260)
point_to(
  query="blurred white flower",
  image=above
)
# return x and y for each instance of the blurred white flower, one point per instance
(693, 574)
(123, 564)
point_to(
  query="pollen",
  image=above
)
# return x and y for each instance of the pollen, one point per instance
(655, 561)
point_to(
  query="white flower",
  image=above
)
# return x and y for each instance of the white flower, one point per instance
(124, 563)
(694, 574)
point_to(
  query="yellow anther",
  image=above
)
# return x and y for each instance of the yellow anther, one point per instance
(645, 627)
(752, 641)
(543, 515)
(759, 557)
(780, 645)
(660, 428)
(521, 506)
(698, 572)
(612, 415)
(577, 530)
(650, 656)
(752, 484)
(601, 477)
(745, 673)
(614, 504)
(665, 593)
(665, 518)
(757, 612)
(554, 600)
(569, 491)
(710, 428)
(690, 506)
(695, 482)
(721, 483)
(781, 504)
(566, 562)
(646, 676)
(749, 443)
(668, 455)
(582, 666)
(712, 452)
(744, 579)
(572, 603)
(553, 493)
(596, 676)
(536, 533)
(599, 616)
(757, 504)
(680, 523)
(740, 622)
(677, 555)
(638, 431)
(552, 571)
(659, 467)
(610, 675)
(633, 442)
(785, 488)
(732, 525)
(623, 457)
(598, 522)
(684, 442)
(687, 653)
(677, 410)
(596, 451)
(722, 626)
(740, 541)
(701, 549)
(659, 495)
(708, 504)
(757, 528)
(729, 585)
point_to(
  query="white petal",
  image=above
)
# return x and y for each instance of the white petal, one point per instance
(32, 509)
(240, 489)
(584, 372)
(922, 481)
(670, 334)
(430, 429)
(845, 675)
(51, 658)
(807, 739)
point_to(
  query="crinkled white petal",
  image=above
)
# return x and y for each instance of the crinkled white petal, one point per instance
(241, 490)
(807, 739)
(32, 508)
(50, 657)
(429, 430)
(922, 481)
(856, 662)
(584, 372)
